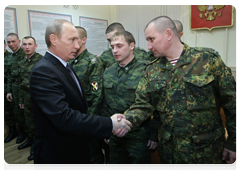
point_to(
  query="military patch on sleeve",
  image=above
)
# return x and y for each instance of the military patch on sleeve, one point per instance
(95, 86)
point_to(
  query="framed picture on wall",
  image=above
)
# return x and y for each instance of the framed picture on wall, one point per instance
(10, 22)
(211, 16)
(97, 41)
(38, 22)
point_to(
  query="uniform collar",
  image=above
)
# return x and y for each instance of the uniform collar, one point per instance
(129, 65)
(18, 51)
(80, 56)
(30, 59)
(184, 59)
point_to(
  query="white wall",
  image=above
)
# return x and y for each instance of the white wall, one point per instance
(135, 17)
(221, 39)
(92, 11)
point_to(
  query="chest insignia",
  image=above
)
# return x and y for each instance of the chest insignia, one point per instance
(95, 86)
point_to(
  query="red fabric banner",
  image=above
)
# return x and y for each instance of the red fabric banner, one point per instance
(211, 16)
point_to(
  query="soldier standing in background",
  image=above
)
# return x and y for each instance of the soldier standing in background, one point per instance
(9, 116)
(107, 56)
(13, 83)
(89, 70)
(29, 46)
(187, 86)
(179, 27)
(120, 82)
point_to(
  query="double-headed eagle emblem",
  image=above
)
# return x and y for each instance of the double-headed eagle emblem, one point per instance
(210, 11)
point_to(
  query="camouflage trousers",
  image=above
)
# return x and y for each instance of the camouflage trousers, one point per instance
(96, 153)
(8, 110)
(29, 118)
(129, 151)
(19, 113)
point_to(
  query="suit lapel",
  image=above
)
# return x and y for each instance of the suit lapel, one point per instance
(64, 70)
(83, 92)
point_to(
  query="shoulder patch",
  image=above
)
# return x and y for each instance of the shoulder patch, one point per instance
(93, 59)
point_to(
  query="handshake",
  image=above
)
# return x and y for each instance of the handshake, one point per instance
(121, 126)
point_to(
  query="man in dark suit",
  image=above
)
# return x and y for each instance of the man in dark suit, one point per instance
(59, 103)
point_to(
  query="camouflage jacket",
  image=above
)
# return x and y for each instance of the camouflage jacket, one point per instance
(119, 85)
(188, 97)
(14, 68)
(25, 68)
(151, 56)
(107, 57)
(89, 70)
(6, 66)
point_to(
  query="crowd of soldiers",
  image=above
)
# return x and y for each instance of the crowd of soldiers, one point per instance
(89, 68)
(110, 83)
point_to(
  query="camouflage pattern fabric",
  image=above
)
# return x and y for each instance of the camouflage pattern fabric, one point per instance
(119, 85)
(8, 106)
(25, 70)
(89, 70)
(13, 86)
(188, 97)
(108, 59)
(129, 151)
(151, 56)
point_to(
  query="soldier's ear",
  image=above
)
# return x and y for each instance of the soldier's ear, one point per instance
(169, 34)
(84, 40)
(180, 34)
(132, 45)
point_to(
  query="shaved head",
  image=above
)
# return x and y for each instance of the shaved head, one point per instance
(162, 23)
(179, 26)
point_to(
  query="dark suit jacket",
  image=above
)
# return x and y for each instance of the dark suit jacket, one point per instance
(62, 127)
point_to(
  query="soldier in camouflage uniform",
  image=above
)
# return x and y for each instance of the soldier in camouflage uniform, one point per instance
(8, 106)
(13, 83)
(107, 56)
(120, 82)
(188, 97)
(29, 45)
(89, 70)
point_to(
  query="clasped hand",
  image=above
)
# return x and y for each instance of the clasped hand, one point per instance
(121, 126)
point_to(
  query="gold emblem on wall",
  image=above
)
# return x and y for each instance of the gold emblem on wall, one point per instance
(210, 11)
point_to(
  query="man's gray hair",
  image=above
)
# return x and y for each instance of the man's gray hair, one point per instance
(54, 27)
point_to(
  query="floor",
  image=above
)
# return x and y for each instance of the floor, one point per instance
(15, 159)
(14, 156)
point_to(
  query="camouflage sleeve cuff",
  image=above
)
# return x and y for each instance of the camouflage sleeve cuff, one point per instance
(230, 145)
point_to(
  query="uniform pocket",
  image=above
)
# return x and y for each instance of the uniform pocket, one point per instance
(108, 89)
(158, 93)
(209, 146)
(131, 89)
(199, 92)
